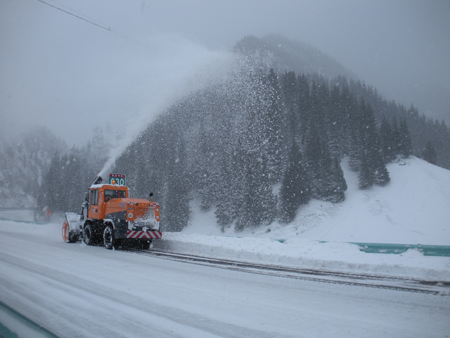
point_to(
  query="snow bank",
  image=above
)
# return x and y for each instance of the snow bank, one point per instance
(309, 254)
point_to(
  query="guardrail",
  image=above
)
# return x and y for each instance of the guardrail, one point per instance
(392, 248)
(388, 248)
(13, 324)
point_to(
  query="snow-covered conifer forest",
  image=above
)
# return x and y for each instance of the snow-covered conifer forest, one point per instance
(253, 148)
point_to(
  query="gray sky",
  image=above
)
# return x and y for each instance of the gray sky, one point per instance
(68, 74)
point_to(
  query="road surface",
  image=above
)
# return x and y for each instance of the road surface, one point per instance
(81, 291)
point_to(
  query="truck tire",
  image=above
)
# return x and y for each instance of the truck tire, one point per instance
(108, 237)
(145, 245)
(88, 234)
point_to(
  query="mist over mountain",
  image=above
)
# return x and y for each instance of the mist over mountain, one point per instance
(253, 146)
(283, 54)
(23, 164)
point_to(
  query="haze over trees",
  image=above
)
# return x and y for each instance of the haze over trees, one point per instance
(256, 147)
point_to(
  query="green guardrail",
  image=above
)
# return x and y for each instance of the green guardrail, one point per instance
(13, 324)
(387, 248)
(392, 248)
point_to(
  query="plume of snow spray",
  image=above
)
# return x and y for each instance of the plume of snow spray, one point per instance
(187, 69)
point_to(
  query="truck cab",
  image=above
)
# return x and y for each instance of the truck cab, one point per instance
(100, 195)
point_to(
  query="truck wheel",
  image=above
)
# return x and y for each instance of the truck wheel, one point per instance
(88, 235)
(108, 237)
(145, 245)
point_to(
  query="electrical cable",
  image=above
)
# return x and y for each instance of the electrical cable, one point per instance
(77, 16)
(92, 22)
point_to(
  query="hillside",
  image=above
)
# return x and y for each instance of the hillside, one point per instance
(414, 208)
(285, 55)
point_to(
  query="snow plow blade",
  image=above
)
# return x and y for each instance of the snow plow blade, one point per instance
(71, 227)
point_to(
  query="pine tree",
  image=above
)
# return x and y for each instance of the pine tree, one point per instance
(366, 175)
(176, 206)
(429, 153)
(304, 105)
(387, 141)
(295, 187)
(319, 166)
(381, 174)
(397, 137)
(355, 151)
(226, 204)
(73, 178)
(338, 185)
(314, 160)
(273, 127)
(205, 169)
(239, 185)
(373, 169)
(266, 200)
(51, 186)
(405, 140)
(290, 104)
(245, 217)
(336, 119)
(258, 202)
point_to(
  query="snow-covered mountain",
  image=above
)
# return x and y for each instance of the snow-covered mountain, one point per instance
(414, 208)
(23, 165)
(285, 55)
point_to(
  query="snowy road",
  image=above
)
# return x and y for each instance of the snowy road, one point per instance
(81, 291)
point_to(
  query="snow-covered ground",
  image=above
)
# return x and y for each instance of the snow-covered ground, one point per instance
(413, 208)
(77, 290)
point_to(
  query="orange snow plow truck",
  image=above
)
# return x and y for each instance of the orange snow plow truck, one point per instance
(110, 217)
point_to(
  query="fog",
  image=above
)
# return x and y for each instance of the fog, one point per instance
(121, 62)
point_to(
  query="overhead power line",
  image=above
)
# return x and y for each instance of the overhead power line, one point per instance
(77, 16)
(92, 22)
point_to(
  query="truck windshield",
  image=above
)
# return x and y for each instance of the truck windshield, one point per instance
(110, 194)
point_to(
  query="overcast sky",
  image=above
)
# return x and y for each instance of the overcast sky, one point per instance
(137, 56)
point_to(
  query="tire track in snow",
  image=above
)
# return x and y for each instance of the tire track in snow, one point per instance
(384, 282)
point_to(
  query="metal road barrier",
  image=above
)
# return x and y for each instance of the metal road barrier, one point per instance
(13, 324)
(388, 248)
(391, 248)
